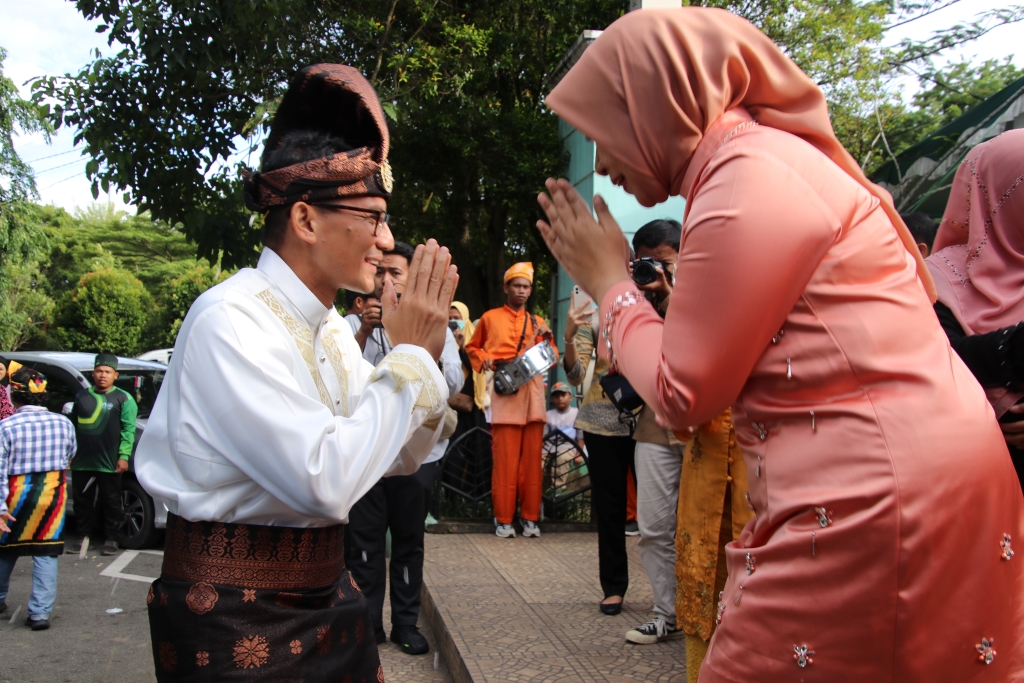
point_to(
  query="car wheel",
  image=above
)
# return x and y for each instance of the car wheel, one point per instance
(137, 530)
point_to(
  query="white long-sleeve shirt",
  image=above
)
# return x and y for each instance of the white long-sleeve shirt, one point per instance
(377, 348)
(269, 415)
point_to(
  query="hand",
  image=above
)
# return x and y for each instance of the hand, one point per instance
(488, 365)
(422, 317)
(545, 333)
(122, 466)
(4, 518)
(578, 317)
(594, 253)
(1013, 432)
(460, 337)
(461, 403)
(370, 319)
(660, 287)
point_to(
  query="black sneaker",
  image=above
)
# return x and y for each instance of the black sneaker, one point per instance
(410, 640)
(75, 548)
(38, 624)
(380, 636)
(109, 548)
(632, 528)
(655, 630)
(3, 607)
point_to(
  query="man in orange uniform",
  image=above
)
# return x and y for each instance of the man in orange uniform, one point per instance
(517, 420)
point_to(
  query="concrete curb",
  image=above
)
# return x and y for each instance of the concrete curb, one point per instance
(476, 526)
(443, 638)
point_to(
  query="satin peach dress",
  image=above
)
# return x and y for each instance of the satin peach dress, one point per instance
(887, 508)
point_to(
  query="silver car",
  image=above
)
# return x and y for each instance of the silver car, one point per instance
(67, 373)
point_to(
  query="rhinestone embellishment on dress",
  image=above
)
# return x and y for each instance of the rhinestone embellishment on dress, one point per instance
(751, 562)
(1006, 551)
(762, 433)
(986, 651)
(746, 494)
(824, 516)
(721, 607)
(803, 655)
(739, 595)
(778, 337)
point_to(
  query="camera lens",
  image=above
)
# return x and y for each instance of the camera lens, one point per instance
(644, 272)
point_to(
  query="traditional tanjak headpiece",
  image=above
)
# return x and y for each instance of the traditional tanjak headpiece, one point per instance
(523, 270)
(27, 381)
(335, 99)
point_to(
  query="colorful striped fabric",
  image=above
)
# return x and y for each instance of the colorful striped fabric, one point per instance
(37, 501)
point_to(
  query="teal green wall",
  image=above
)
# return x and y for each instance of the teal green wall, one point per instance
(626, 210)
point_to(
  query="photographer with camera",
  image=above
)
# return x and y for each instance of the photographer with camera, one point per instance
(659, 454)
(502, 336)
(396, 503)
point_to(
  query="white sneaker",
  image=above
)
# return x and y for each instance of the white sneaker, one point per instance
(505, 531)
(530, 529)
(655, 630)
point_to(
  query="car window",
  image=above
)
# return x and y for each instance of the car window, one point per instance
(142, 385)
(61, 386)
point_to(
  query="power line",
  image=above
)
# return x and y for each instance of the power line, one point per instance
(62, 181)
(70, 163)
(59, 154)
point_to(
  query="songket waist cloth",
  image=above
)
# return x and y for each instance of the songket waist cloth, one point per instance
(37, 501)
(242, 602)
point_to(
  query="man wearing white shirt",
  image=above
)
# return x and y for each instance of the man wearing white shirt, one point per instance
(270, 425)
(396, 503)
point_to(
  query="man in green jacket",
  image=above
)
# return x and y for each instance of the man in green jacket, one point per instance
(104, 418)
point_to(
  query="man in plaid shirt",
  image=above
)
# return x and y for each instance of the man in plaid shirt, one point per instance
(35, 449)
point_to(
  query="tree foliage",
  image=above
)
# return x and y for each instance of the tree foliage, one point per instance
(43, 294)
(107, 311)
(180, 105)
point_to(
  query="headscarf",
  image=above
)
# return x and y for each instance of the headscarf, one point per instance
(978, 261)
(6, 409)
(27, 381)
(336, 99)
(656, 80)
(479, 380)
(523, 270)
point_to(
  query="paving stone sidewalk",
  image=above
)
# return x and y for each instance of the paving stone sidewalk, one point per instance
(526, 610)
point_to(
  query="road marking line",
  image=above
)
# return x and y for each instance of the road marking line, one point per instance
(114, 570)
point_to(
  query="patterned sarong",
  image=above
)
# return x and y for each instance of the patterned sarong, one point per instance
(240, 602)
(37, 502)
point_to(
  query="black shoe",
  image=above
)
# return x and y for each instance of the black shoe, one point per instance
(380, 636)
(38, 624)
(3, 607)
(611, 608)
(75, 548)
(632, 528)
(109, 548)
(410, 640)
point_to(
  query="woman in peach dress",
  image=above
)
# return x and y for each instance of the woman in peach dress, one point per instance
(886, 505)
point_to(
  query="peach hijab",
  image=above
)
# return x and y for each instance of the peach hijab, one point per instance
(657, 79)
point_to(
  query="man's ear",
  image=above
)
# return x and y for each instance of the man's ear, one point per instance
(924, 249)
(301, 222)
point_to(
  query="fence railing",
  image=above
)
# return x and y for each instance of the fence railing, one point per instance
(462, 488)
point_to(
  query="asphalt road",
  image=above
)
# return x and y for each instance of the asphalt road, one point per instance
(88, 644)
(85, 644)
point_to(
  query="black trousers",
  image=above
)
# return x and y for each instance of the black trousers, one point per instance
(108, 488)
(395, 503)
(610, 458)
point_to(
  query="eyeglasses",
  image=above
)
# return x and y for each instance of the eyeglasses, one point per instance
(379, 217)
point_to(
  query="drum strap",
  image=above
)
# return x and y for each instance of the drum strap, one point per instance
(522, 338)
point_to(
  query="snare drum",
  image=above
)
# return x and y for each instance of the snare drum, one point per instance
(511, 376)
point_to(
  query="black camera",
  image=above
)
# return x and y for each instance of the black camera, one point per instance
(645, 270)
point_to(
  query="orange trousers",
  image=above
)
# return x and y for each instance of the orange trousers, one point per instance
(630, 496)
(517, 470)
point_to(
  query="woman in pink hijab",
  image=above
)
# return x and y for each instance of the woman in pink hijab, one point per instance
(979, 274)
(884, 498)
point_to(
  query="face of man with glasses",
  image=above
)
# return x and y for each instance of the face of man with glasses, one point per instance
(351, 235)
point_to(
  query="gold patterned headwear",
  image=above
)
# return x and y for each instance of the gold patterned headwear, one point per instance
(332, 98)
(523, 270)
